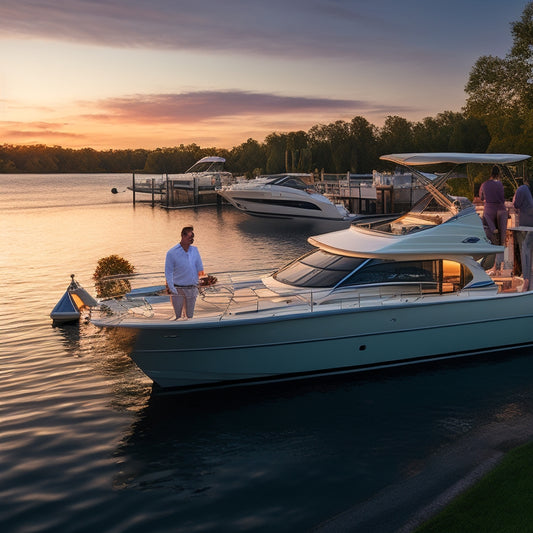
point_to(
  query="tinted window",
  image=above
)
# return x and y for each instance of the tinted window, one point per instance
(379, 271)
(435, 276)
(318, 269)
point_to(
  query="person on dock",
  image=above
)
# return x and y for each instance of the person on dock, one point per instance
(494, 211)
(183, 267)
(523, 202)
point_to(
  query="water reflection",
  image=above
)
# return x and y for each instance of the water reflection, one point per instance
(107, 353)
(287, 228)
(351, 436)
(79, 417)
(70, 336)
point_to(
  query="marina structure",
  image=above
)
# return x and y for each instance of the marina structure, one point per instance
(366, 194)
(196, 186)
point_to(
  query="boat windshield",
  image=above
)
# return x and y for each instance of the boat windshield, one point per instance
(318, 269)
(206, 166)
(290, 181)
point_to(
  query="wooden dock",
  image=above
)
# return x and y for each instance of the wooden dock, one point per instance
(174, 193)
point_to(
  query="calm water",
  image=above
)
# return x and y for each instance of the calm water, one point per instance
(84, 443)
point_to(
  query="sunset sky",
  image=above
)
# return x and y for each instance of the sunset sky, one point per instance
(159, 73)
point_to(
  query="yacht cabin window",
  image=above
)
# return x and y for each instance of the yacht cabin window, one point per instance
(437, 275)
(324, 269)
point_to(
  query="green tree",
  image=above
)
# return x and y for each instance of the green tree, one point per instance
(493, 88)
(7, 166)
(295, 160)
(364, 146)
(275, 147)
(522, 53)
(318, 142)
(500, 90)
(450, 131)
(247, 157)
(396, 136)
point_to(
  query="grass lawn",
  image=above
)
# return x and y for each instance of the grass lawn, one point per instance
(501, 502)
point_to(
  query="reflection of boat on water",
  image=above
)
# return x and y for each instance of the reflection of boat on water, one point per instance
(282, 196)
(69, 308)
(381, 293)
(207, 173)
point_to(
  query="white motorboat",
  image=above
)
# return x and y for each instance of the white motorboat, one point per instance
(375, 295)
(282, 196)
(207, 172)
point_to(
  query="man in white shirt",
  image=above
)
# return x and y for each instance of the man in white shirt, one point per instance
(183, 266)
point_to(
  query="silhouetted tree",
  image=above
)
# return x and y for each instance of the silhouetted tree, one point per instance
(275, 147)
(500, 91)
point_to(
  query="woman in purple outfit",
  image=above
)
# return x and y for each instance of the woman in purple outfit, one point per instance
(494, 211)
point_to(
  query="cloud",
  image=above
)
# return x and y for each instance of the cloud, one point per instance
(297, 28)
(222, 118)
(38, 131)
(202, 106)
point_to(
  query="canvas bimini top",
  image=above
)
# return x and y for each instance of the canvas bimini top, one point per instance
(434, 184)
(458, 158)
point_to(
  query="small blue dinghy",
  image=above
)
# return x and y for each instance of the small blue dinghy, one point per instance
(69, 307)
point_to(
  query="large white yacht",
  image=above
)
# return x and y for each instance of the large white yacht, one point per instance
(378, 294)
(282, 196)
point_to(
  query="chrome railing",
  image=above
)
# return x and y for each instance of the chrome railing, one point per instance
(242, 294)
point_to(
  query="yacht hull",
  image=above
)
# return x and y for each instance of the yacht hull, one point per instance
(190, 356)
(285, 203)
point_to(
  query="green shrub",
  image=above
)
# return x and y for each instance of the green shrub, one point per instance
(107, 268)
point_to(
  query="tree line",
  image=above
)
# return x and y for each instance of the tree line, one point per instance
(338, 147)
(497, 117)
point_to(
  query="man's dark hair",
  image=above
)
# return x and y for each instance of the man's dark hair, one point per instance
(186, 229)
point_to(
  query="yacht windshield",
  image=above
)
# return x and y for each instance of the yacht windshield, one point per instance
(207, 166)
(318, 269)
(290, 181)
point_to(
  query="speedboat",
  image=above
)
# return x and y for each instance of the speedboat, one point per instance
(208, 172)
(282, 196)
(381, 293)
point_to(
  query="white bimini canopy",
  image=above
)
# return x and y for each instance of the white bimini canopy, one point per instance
(433, 158)
(211, 159)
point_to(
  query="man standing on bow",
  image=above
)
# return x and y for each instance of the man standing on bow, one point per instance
(183, 266)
